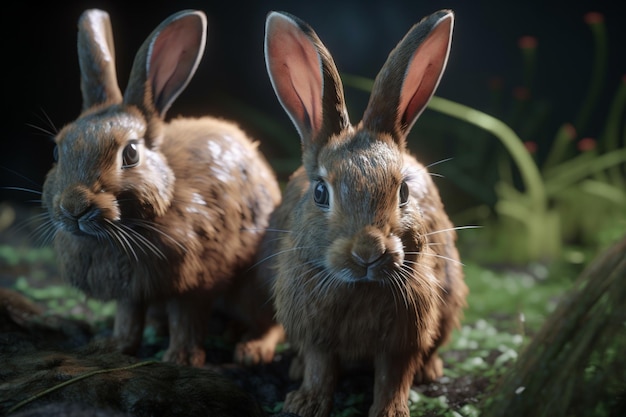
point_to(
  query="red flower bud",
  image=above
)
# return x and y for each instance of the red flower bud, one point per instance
(586, 144)
(592, 18)
(531, 146)
(527, 42)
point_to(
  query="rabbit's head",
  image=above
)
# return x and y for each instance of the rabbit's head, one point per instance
(361, 200)
(108, 163)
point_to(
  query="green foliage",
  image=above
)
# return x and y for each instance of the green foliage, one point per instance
(66, 301)
(487, 350)
(12, 255)
(583, 191)
(520, 299)
(420, 404)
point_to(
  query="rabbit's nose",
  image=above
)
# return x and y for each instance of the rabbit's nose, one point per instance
(366, 259)
(368, 248)
(74, 203)
(78, 213)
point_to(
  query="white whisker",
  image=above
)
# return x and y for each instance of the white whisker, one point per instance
(154, 228)
(447, 258)
(43, 234)
(451, 229)
(26, 190)
(396, 289)
(438, 162)
(273, 255)
(53, 130)
(117, 235)
(261, 229)
(141, 241)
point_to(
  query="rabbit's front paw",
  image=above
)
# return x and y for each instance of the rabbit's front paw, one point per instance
(308, 403)
(192, 356)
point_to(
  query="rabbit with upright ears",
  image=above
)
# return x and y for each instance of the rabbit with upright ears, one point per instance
(148, 212)
(361, 251)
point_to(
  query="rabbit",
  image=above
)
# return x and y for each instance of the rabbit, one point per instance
(150, 212)
(361, 253)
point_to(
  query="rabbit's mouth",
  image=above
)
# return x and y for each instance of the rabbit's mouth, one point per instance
(89, 222)
(384, 268)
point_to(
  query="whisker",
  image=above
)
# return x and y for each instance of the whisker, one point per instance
(297, 267)
(451, 229)
(152, 227)
(428, 281)
(260, 229)
(43, 234)
(25, 178)
(47, 120)
(273, 255)
(439, 162)
(26, 190)
(427, 168)
(35, 221)
(325, 282)
(396, 290)
(121, 239)
(40, 129)
(141, 241)
(410, 273)
(436, 256)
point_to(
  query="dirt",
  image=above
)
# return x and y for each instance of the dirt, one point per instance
(268, 384)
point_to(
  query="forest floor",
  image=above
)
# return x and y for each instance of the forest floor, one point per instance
(505, 308)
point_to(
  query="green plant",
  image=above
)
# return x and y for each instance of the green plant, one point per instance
(583, 177)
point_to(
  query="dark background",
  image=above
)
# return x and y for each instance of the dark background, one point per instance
(41, 81)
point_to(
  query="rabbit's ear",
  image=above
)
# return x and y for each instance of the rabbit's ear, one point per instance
(410, 76)
(166, 61)
(96, 57)
(305, 79)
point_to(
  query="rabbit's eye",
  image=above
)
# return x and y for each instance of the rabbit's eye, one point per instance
(404, 194)
(321, 195)
(130, 155)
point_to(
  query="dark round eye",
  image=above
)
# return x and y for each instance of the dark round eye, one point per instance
(130, 155)
(321, 195)
(55, 153)
(404, 194)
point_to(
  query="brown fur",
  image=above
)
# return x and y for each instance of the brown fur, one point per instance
(368, 275)
(181, 227)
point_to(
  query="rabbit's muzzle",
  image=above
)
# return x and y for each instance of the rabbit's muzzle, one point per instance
(370, 255)
(79, 211)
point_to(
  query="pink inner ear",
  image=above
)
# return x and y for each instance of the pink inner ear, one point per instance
(163, 62)
(424, 72)
(296, 71)
(173, 53)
